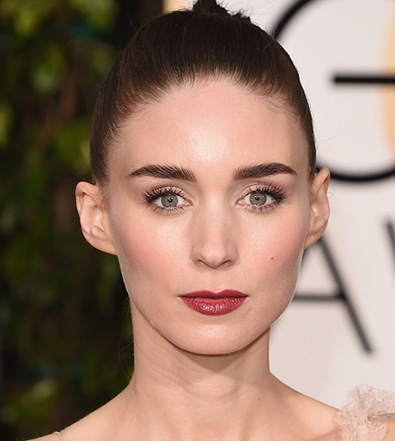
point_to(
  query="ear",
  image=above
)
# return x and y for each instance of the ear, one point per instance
(319, 207)
(94, 225)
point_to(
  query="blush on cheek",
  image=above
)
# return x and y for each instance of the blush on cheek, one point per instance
(144, 252)
(138, 249)
(287, 248)
(284, 264)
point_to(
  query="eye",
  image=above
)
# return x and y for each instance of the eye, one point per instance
(258, 198)
(165, 199)
(169, 200)
(262, 199)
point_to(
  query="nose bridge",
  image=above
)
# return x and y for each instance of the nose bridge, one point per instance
(213, 236)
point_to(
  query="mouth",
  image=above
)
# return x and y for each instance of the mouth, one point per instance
(212, 303)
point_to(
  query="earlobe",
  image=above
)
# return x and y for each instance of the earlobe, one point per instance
(319, 207)
(90, 208)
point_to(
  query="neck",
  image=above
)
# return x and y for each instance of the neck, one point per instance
(181, 395)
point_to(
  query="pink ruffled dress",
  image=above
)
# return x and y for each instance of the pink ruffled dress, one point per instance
(365, 402)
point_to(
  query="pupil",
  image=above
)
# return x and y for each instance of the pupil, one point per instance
(258, 198)
(169, 200)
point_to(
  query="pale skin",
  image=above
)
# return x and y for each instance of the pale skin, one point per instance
(200, 377)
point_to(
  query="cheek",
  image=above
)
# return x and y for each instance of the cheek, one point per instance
(143, 251)
(136, 247)
(278, 251)
(282, 237)
(287, 247)
(285, 256)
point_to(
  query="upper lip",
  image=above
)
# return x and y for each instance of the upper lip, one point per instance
(226, 293)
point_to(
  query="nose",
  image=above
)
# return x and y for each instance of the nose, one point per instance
(214, 239)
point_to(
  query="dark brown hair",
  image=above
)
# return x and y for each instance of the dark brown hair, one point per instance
(183, 47)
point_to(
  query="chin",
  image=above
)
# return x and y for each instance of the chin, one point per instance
(225, 344)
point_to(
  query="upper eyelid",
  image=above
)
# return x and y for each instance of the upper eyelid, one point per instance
(153, 195)
(266, 188)
(271, 189)
(270, 194)
(158, 192)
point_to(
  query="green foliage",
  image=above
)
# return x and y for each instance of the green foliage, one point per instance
(65, 333)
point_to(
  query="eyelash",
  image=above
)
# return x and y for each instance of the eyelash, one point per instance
(151, 196)
(276, 193)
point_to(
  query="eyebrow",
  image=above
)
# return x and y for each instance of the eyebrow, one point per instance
(245, 172)
(165, 172)
(262, 170)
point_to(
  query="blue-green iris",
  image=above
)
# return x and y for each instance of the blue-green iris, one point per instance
(169, 200)
(258, 198)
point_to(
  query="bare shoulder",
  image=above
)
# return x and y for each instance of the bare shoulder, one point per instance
(390, 432)
(334, 435)
(51, 437)
(97, 425)
(314, 420)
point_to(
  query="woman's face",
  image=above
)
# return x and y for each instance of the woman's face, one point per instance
(208, 190)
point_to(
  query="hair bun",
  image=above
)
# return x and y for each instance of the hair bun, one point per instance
(210, 6)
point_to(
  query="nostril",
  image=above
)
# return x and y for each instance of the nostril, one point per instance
(215, 263)
(215, 255)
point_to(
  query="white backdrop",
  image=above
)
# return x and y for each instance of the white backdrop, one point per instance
(340, 329)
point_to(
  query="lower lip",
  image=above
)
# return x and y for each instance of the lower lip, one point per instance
(213, 306)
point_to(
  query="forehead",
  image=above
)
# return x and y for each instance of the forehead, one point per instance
(212, 124)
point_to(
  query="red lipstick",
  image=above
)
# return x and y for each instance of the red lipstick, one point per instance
(212, 303)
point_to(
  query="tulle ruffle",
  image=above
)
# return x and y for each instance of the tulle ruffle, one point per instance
(363, 403)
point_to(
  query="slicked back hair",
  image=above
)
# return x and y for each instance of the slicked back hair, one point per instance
(185, 47)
